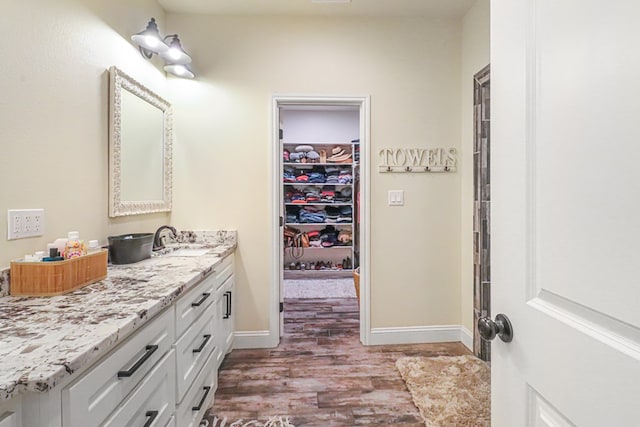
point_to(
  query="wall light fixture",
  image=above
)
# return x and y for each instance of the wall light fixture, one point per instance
(169, 48)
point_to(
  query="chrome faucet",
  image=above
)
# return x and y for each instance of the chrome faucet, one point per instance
(157, 238)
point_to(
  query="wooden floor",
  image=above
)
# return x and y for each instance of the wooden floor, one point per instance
(320, 374)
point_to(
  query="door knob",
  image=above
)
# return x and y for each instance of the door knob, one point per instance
(501, 327)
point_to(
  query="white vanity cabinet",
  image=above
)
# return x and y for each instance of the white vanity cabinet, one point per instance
(199, 349)
(162, 375)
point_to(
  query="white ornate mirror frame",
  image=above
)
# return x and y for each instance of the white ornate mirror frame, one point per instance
(117, 207)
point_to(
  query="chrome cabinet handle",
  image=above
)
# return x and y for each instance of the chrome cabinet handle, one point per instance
(501, 327)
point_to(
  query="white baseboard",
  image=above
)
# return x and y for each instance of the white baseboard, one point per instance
(254, 339)
(417, 335)
(466, 337)
(379, 336)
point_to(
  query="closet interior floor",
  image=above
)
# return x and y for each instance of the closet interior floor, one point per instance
(320, 374)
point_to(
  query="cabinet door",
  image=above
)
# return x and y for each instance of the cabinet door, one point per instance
(228, 320)
(153, 402)
(218, 324)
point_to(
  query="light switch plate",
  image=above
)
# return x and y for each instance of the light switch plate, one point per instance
(396, 197)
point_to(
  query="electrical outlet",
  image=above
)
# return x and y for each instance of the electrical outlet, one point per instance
(38, 222)
(25, 223)
(14, 220)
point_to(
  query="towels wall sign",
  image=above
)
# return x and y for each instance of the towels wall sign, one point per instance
(418, 160)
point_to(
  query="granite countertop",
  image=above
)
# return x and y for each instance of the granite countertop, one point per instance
(45, 340)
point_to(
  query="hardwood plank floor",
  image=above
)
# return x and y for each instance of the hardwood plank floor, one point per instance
(320, 374)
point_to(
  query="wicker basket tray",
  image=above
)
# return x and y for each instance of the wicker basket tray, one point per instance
(57, 277)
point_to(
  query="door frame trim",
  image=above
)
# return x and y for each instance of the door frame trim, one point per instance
(363, 102)
(481, 235)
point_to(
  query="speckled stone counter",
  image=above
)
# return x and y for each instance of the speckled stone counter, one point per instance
(45, 340)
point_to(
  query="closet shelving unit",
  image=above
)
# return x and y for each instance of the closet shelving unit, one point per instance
(336, 253)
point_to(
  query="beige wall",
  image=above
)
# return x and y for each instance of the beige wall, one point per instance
(411, 69)
(53, 113)
(475, 56)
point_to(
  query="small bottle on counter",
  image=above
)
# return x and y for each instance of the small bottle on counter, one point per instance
(60, 245)
(74, 247)
(93, 247)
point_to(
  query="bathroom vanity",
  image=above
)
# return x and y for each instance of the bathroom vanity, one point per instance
(141, 347)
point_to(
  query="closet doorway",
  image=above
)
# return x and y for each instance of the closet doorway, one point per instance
(320, 187)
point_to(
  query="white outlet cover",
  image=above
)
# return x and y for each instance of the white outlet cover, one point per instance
(25, 223)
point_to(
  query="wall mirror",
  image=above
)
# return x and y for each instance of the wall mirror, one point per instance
(140, 144)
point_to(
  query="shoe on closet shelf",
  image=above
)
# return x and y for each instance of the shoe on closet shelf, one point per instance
(292, 266)
(298, 265)
(323, 156)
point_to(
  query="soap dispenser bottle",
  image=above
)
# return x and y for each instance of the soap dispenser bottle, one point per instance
(74, 246)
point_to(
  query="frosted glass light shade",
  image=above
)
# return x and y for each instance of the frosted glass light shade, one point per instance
(150, 39)
(175, 54)
(179, 70)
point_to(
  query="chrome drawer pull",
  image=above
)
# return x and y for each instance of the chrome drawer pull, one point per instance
(206, 389)
(204, 342)
(150, 349)
(199, 303)
(152, 417)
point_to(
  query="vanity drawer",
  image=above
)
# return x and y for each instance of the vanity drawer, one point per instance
(223, 270)
(153, 402)
(8, 419)
(194, 303)
(193, 349)
(90, 399)
(200, 396)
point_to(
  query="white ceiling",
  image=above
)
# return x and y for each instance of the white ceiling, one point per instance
(356, 8)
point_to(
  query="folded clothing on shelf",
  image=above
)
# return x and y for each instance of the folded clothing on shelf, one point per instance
(307, 215)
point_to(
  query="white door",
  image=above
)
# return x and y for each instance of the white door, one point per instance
(566, 211)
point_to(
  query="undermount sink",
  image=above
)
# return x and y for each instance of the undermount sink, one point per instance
(188, 252)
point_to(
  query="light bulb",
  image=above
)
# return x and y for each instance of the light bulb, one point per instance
(152, 41)
(174, 54)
